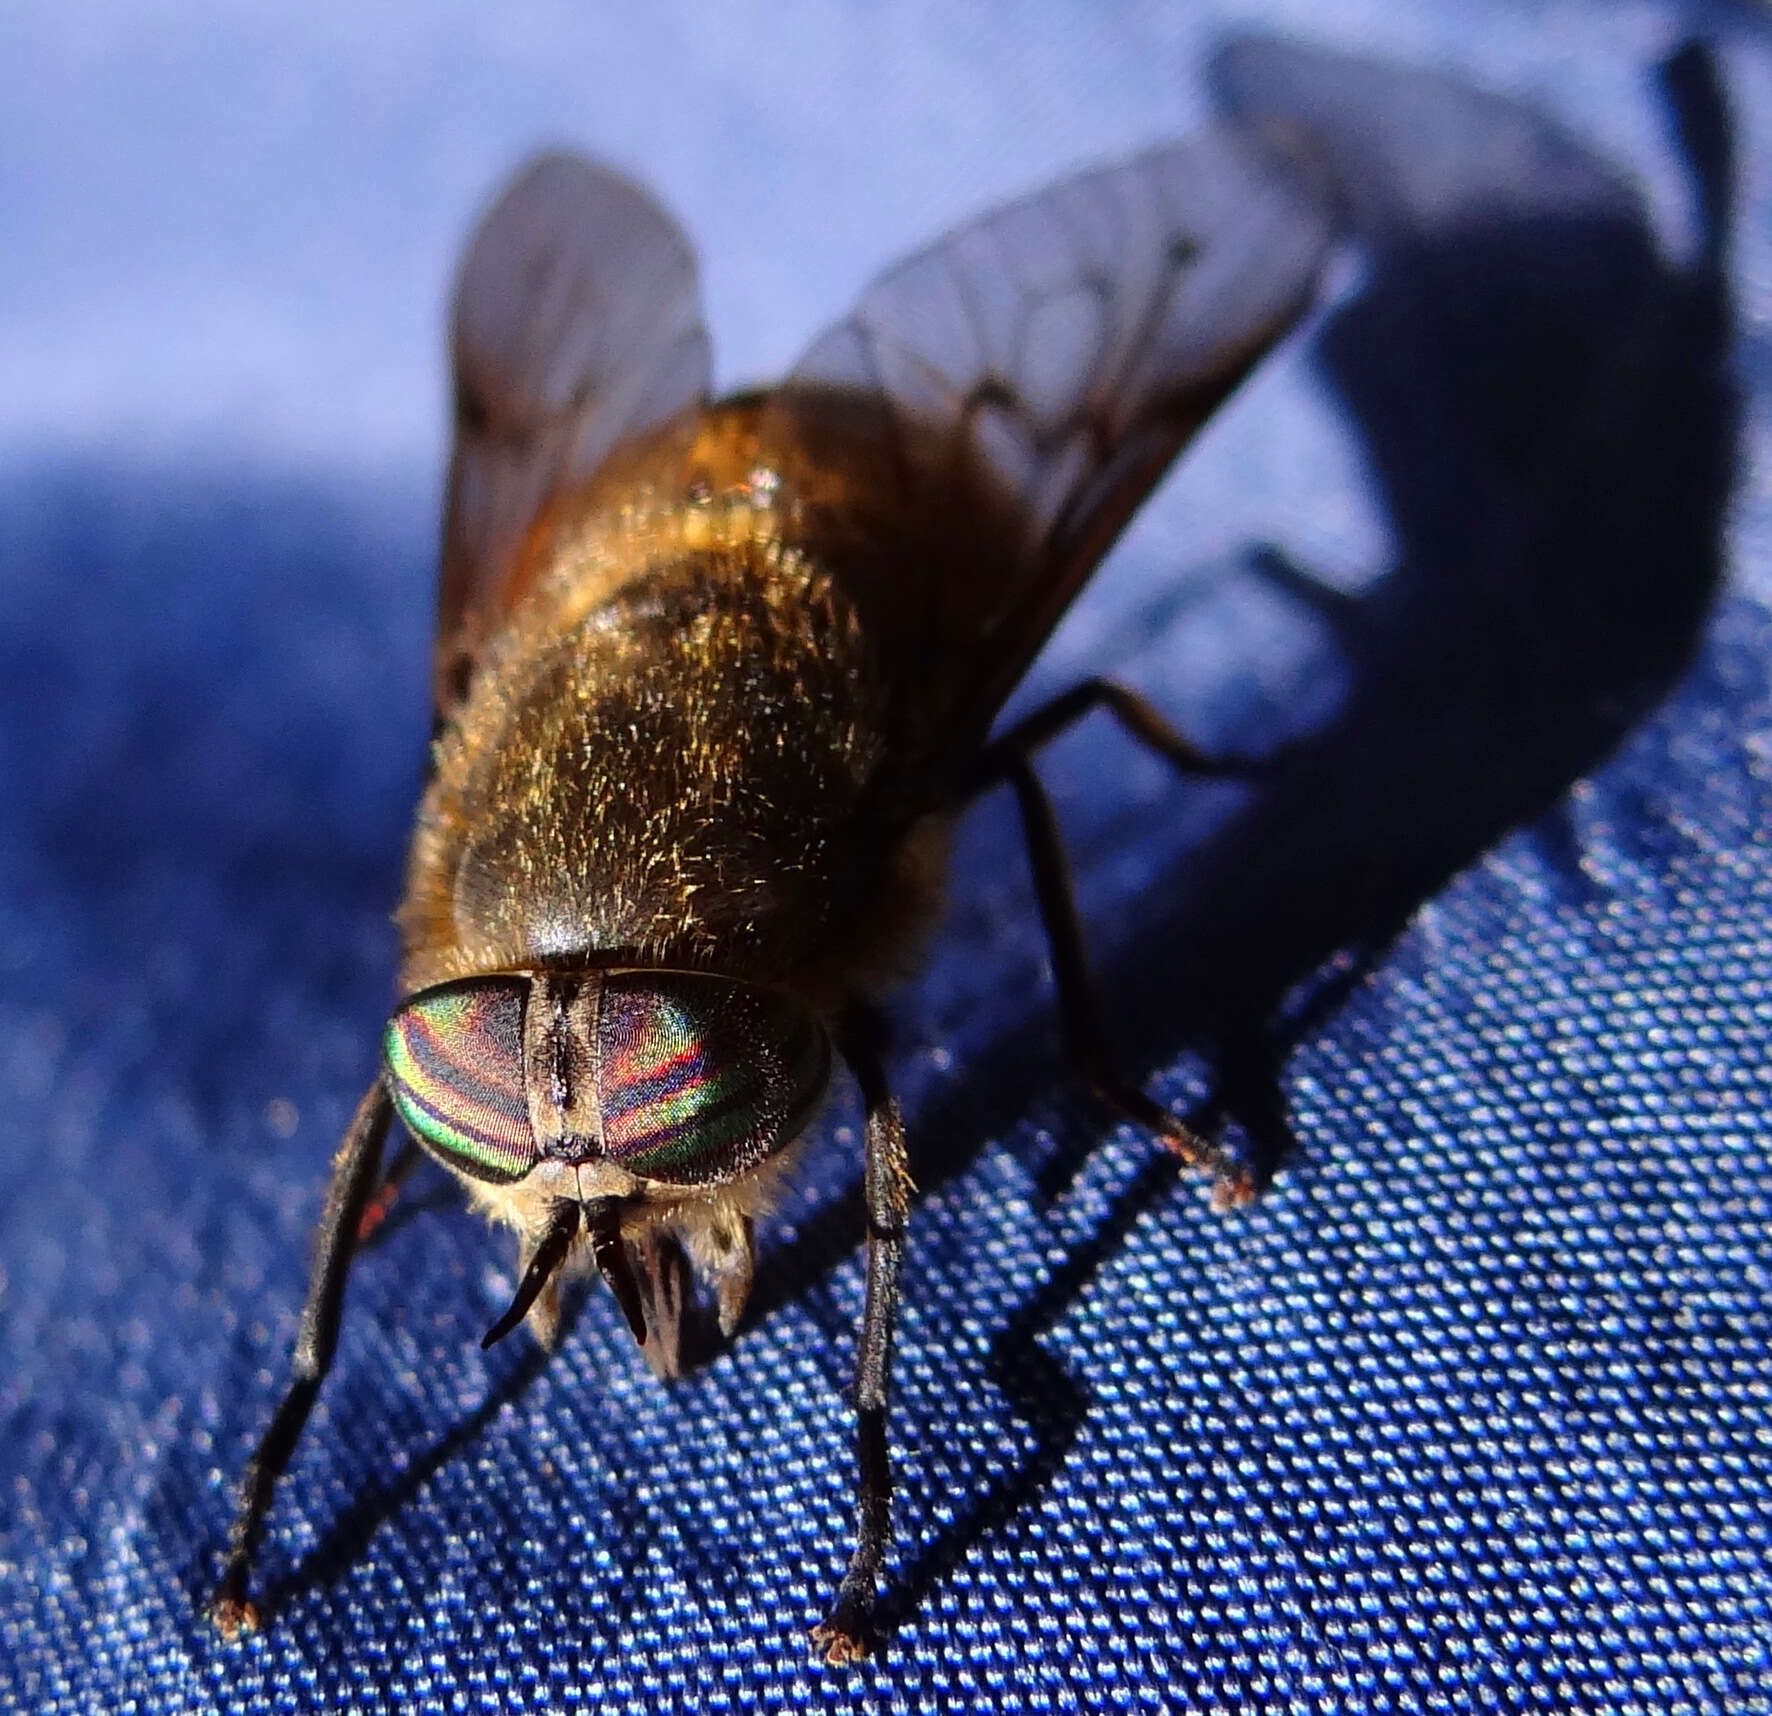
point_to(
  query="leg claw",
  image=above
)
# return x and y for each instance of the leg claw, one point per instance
(839, 1647)
(234, 1616)
(1231, 1190)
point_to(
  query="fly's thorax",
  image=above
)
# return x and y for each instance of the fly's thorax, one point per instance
(679, 772)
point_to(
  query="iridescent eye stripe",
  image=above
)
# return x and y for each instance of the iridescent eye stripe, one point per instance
(455, 1062)
(667, 1097)
(700, 1079)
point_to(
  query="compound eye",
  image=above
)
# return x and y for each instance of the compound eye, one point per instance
(701, 1078)
(454, 1056)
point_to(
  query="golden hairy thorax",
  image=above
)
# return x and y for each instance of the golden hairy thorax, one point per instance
(668, 754)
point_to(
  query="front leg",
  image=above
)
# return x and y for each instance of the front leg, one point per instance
(845, 1633)
(347, 1196)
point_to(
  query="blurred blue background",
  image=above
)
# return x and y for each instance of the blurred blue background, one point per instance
(1471, 1409)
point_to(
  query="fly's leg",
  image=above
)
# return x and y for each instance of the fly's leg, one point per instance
(347, 1195)
(1137, 715)
(844, 1635)
(381, 1206)
(1007, 759)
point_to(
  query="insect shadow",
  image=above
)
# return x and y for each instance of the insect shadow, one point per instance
(1545, 406)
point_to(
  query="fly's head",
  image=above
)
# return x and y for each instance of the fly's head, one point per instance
(624, 1120)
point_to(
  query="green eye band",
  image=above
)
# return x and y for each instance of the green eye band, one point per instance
(700, 1078)
(454, 1057)
(691, 1080)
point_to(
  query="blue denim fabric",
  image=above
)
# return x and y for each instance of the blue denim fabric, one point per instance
(1472, 1410)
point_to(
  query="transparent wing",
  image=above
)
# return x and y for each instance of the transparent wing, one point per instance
(1018, 388)
(577, 326)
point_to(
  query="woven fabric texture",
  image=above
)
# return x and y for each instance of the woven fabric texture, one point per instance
(1472, 1409)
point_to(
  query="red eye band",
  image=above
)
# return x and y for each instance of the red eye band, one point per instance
(702, 1078)
(698, 1078)
(455, 1059)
